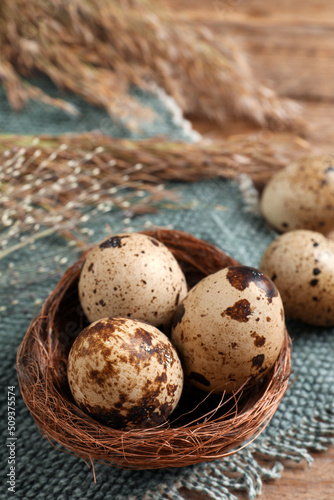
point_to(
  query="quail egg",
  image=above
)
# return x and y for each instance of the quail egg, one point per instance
(301, 263)
(229, 329)
(131, 275)
(301, 196)
(125, 373)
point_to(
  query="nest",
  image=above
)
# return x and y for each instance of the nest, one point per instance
(203, 428)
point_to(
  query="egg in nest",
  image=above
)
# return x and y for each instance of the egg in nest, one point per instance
(229, 330)
(125, 373)
(131, 275)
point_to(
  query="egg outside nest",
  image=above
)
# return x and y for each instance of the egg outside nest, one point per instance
(301, 196)
(301, 263)
(42, 363)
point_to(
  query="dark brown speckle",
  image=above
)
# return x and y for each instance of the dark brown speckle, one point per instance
(96, 376)
(113, 242)
(259, 340)
(257, 361)
(162, 378)
(171, 390)
(240, 311)
(143, 336)
(240, 277)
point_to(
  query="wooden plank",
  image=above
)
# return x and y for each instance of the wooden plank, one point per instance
(298, 482)
(319, 117)
(289, 46)
(285, 10)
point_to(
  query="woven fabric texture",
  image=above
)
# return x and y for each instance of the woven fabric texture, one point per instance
(215, 211)
(38, 118)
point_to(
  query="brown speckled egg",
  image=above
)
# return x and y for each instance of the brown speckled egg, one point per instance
(301, 196)
(125, 373)
(229, 329)
(301, 263)
(131, 275)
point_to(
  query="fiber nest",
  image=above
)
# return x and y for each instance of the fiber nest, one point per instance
(203, 428)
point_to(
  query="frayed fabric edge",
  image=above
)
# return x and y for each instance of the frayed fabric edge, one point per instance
(250, 194)
(176, 113)
(222, 479)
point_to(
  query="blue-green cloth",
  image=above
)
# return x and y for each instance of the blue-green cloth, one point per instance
(215, 212)
(39, 118)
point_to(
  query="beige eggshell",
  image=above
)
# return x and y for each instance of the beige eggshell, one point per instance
(125, 373)
(301, 263)
(131, 275)
(229, 328)
(301, 196)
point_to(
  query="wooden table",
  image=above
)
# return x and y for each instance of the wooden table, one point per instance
(291, 47)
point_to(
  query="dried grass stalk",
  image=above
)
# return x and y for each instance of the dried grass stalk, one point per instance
(209, 429)
(50, 181)
(99, 48)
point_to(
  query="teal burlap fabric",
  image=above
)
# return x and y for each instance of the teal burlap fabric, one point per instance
(38, 118)
(304, 420)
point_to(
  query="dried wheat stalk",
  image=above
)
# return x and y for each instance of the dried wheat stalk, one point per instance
(99, 48)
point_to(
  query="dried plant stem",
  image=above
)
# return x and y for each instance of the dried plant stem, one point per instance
(258, 155)
(51, 181)
(100, 48)
(28, 241)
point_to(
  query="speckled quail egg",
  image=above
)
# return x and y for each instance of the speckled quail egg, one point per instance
(301, 196)
(229, 329)
(301, 263)
(131, 275)
(125, 373)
